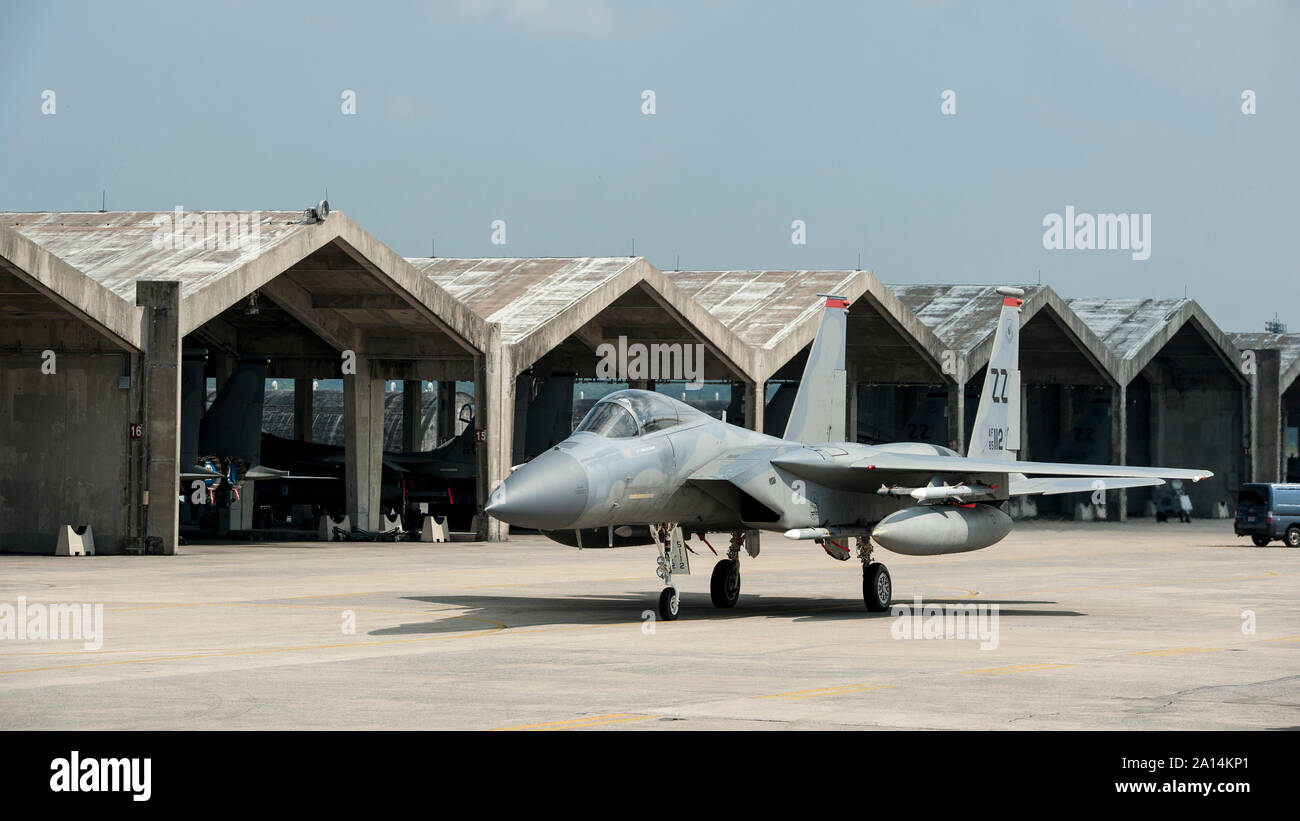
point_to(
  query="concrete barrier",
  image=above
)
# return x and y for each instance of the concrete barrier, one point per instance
(75, 541)
(327, 526)
(435, 529)
(1023, 507)
(391, 523)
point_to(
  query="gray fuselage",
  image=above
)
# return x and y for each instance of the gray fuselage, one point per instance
(697, 471)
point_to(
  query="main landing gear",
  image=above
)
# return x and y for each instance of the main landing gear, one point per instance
(724, 586)
(877, 587)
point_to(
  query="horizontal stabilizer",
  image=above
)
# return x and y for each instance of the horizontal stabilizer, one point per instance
(199, 472)
(258, 472)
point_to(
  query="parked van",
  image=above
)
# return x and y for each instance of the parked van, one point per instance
(1268, 512)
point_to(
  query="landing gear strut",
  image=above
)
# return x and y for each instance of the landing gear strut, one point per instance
(672, 559)
(724, 586)
(877, 587)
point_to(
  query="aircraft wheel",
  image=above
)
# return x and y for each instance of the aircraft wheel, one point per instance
(877, 588)
(1292, 537)
(670, 601)
(1260, 541)
(724, 586)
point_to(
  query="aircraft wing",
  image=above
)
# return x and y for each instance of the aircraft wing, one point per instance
(919, 463)
(1020, 485)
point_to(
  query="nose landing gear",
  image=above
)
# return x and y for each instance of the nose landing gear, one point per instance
(672, 559)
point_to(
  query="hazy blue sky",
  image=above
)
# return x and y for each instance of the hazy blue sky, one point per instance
(530, 111)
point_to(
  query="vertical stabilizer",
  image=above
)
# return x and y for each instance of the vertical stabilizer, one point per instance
(818, 412)
(233, 425)
(997, 421)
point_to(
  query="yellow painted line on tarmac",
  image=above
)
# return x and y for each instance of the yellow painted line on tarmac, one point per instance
(578, 723)
(1284, 638)
(1177, 651)
(1022, 668)
(821, 692)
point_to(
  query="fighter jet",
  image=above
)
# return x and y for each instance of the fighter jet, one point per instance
(642, 468)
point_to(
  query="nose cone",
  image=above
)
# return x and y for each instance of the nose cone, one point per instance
(548, 493)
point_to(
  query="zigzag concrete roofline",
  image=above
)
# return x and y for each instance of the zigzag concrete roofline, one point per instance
(119, 249)
(1287, 345)
(36, 267)
(1135, 330)
(777, 313)
(965, 317)
(537, 303)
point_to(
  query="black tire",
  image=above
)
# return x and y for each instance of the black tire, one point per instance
(724, 586)
(1260, 541)
(1292, 537)
(877, 587)
(670, 601)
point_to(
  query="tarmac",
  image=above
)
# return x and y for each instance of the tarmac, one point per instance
(1098, 626)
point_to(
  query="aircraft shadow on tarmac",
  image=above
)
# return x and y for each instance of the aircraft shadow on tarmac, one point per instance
(630, 608)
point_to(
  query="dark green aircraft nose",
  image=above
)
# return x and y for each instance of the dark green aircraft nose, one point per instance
(548, 493)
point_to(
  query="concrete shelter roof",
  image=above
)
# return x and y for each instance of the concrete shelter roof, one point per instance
(221, 257)
(1288, 346)
(1136, 329)
(33, 277)
(538, 302)
(965, 317)
(777, 312)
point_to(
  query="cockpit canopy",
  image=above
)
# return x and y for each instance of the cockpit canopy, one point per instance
(630, 413)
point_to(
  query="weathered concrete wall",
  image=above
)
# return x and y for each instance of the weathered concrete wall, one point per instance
(1138, 446)
(1266, 432)
(1201, 428)
(160, 382)
(363, 423)
(63, 448)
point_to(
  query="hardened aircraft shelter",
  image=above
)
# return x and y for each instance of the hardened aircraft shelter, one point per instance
(1272, 362)
(1068, 392)
(117, 297)
(894, 364)
(559, 314)
(1185, 398)
(105, 316)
